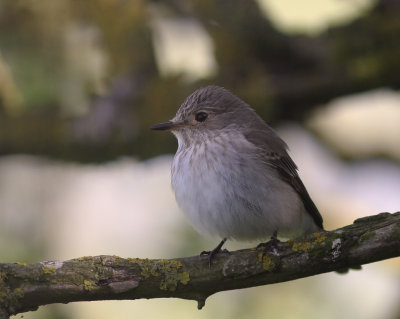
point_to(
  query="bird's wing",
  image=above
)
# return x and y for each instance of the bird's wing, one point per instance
(274, 152)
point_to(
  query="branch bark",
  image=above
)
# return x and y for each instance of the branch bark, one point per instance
(25, 287)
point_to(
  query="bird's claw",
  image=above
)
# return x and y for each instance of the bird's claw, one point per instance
(211, 254)
(271, 245)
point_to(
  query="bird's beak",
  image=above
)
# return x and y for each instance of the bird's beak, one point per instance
(165, 126)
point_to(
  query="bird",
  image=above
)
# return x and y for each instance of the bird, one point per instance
(232, 174)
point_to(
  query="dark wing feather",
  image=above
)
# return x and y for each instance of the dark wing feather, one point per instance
(275, 154)
(288, 170)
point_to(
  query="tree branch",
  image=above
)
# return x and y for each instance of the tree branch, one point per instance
(25, 287)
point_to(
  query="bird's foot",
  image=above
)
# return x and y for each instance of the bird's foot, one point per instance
(212, 253)
(271, 245)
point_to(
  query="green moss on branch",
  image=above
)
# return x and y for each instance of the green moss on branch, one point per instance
(25, 287)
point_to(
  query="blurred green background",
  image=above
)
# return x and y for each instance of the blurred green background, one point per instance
(83, 80)
(81, 173)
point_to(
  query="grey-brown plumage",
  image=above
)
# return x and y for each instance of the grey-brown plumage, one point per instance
(277, 156)
(232, 175)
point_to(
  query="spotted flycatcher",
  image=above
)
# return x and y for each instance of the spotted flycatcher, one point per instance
(232, 174)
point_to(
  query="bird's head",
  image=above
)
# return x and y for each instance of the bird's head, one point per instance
(209, 111)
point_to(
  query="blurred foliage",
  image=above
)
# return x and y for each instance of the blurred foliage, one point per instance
(79, 79)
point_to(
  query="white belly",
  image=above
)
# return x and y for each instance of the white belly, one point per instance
(230, 194)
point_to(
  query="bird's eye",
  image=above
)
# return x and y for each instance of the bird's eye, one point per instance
(201, 116)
